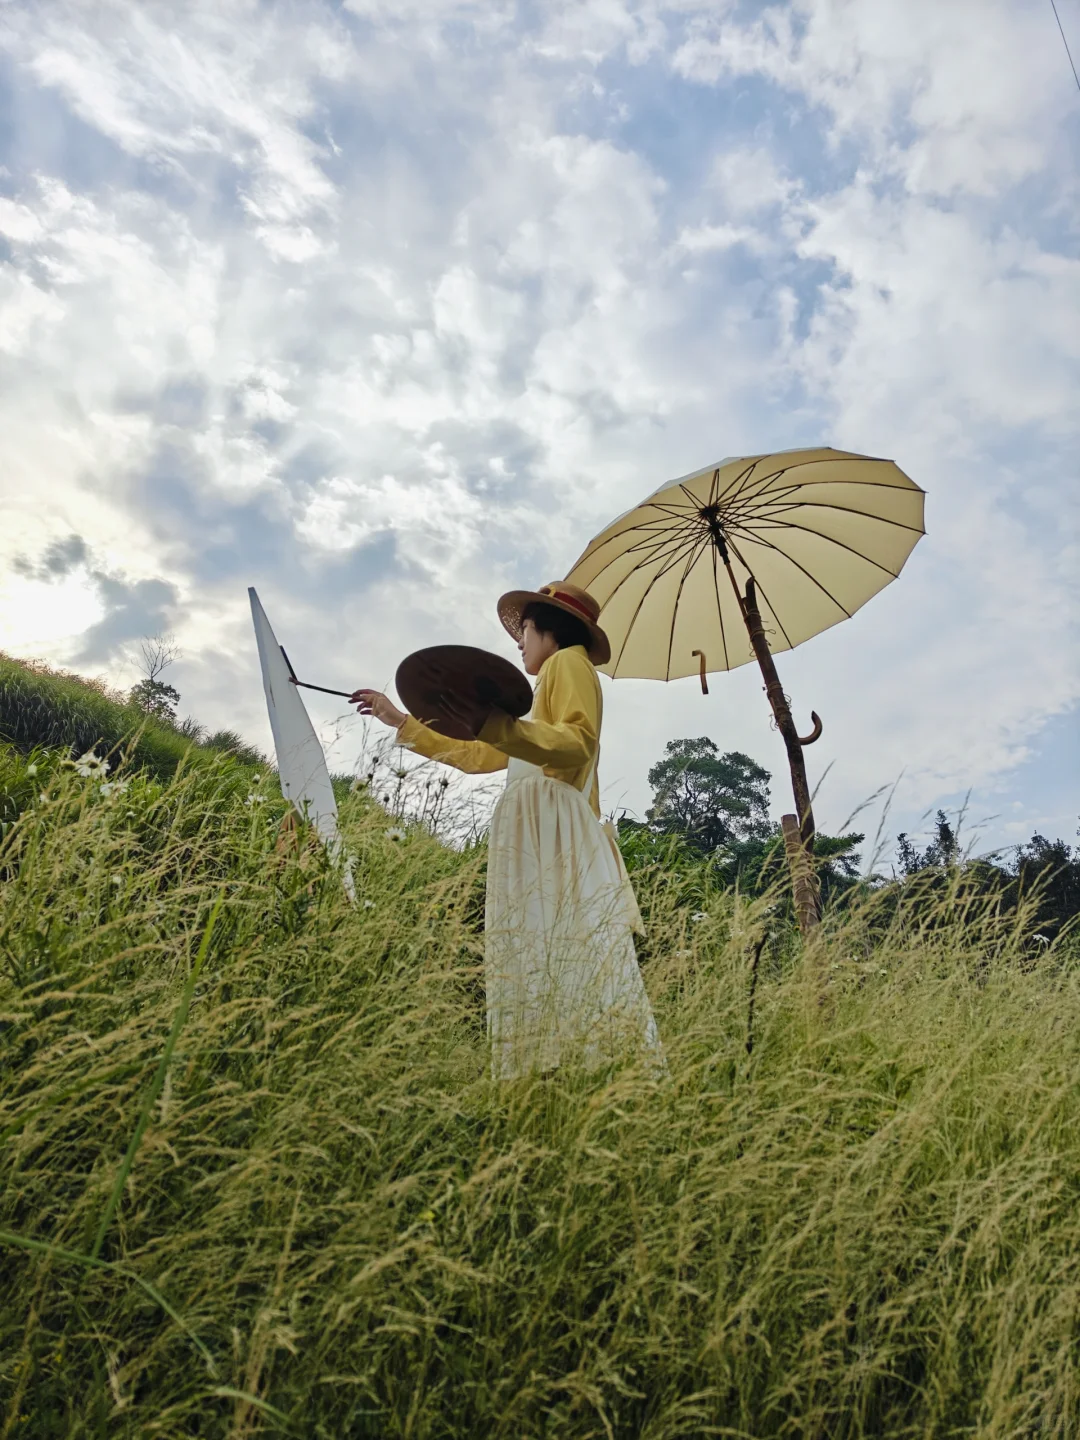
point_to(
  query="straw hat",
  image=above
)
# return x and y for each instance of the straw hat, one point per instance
(563, 596)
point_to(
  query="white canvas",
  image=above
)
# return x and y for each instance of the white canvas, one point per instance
(301, 762)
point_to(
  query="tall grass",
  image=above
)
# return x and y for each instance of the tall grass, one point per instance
(317, 1215)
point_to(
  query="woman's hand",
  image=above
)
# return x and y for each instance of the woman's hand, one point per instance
(471, 714)
(374, 702)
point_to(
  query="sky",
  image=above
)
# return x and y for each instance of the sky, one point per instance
(387, 306)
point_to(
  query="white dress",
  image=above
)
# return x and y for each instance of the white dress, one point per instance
(562, 978)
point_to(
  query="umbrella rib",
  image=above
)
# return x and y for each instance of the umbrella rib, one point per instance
(653, 545)
(740, 486)
(644, 525)
(828, 595)
(657, 551)
(873, 484)
(909, 489)
(691, 562)
(742, 480)
(782, 525)
(670, 561)
(719, 607)
(845, 510)
(637, 609)
(687, 542)
(747, 476)
(678, 511)
(667, 529)
(680, 515)
(772, 607)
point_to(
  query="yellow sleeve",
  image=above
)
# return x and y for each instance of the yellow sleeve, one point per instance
(571, 737)
(471, 756)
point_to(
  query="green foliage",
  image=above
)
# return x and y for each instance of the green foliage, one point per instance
(324, 1219)
(715, 808)
(232, 743)
(1049, 871)
(41, 707)
(712, 800)
(154, 697)
(1044, 873)
(944, 849)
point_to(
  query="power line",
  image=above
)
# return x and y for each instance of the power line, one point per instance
(1068, 52)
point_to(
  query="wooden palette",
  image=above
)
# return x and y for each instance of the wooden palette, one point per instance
(426, 677)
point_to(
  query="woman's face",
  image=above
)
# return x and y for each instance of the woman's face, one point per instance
(535, 646)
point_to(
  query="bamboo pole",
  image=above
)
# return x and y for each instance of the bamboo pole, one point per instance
(802, 876)
(782, 711)
(799, 830)
(799, 835)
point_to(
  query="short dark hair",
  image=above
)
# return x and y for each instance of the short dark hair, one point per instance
(551, 620)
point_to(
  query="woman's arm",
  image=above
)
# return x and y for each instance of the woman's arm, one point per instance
(471, 756)
(572, 699)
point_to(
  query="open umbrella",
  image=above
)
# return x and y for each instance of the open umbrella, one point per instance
(747, 557)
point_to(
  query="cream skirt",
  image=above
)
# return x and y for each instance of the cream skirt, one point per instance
(561, 974)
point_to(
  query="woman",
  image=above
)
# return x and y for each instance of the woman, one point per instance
(561, 974)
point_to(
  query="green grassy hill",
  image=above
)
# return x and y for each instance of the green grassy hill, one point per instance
(40, 706)
(254, 1178)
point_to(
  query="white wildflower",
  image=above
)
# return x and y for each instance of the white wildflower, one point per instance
(118, 879)
(395, 833)
(31, 769)
(254, 799)
(114, 787)
(369, 904)
(699, 915)
(358, 784)
(90, 765)
(1042, 939)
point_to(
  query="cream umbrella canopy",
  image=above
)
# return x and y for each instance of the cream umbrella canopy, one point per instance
(747, 557)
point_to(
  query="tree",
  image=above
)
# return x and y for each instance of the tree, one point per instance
(713, 808)
(943, 850)
(151, 694)
(1045, 872)
(711, 800)
(1050, 870)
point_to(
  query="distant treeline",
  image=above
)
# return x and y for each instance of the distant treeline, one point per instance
(713, 810)
(709, 809)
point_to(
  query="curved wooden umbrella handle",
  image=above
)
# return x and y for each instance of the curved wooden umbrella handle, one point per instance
(704, 682)
(815, 734)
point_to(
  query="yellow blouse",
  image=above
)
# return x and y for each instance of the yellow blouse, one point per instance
(563, 737)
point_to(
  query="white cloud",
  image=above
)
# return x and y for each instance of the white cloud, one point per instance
(231, 83)
(954, 98)
(388, 308)
(696, 238)
(942, 336)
